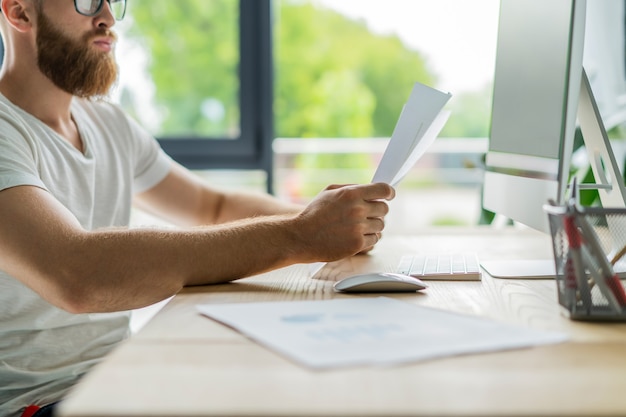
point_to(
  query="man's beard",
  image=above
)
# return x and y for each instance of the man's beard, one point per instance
(70, 64)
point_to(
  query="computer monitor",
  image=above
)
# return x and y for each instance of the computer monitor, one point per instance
(538, 85)
(538, 71)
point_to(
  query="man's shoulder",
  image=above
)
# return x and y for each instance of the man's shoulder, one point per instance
(8, 110)
(15, 122)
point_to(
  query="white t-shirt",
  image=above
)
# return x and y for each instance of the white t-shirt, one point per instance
(43, 349)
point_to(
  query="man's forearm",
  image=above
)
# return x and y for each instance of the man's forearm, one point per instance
(120, 269)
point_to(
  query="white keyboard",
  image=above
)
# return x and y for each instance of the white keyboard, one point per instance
(441, 266)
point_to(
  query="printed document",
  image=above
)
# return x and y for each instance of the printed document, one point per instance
(369, 331)
(420, 121)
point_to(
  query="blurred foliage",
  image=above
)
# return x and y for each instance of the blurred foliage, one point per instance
(194, 56)
(334, 78)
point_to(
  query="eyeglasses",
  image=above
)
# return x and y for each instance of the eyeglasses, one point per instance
(93, 7)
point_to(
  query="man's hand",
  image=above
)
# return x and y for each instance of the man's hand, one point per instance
(344, 220)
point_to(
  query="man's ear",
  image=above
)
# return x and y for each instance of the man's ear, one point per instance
(18, 14)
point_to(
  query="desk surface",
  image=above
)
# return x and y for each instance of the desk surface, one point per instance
(184, 364)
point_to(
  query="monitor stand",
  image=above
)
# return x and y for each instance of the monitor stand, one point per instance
(606, 171)
(530, 269)
(520, 268)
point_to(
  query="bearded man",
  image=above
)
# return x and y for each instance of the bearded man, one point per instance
(71, 167)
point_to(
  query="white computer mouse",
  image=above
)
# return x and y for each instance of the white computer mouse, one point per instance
(379, 282)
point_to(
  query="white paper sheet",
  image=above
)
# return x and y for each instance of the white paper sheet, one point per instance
(419, 123)
(369, 331)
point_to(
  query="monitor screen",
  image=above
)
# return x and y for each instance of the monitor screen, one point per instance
(538, 70)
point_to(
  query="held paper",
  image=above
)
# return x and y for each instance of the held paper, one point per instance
(419, 123)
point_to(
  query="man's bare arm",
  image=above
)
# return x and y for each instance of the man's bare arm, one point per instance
(185, 200)
(42, 245)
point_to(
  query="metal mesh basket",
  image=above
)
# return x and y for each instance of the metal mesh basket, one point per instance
(589, 246)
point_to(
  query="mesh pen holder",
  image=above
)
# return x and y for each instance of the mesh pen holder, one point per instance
(589, 254)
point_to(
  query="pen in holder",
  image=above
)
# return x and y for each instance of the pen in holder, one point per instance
(589, 253)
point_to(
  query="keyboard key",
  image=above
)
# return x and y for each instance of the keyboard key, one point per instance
(441, 266)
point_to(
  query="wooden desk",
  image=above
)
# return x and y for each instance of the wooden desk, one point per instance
(183, 364)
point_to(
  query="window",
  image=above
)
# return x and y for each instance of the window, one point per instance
(327, 78)
(197, 73)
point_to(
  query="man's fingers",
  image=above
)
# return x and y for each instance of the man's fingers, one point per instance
(375, 225)
(379, 191)
(335, 186)
(377, 209)
(370, 241)
(376, 237)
